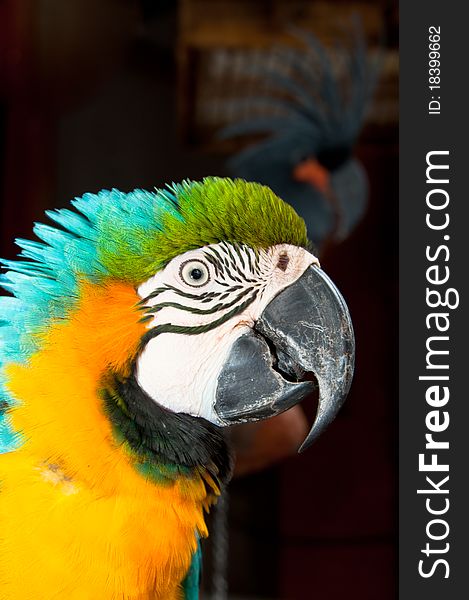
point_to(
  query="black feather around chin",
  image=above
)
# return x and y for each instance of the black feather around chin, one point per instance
(162, 436)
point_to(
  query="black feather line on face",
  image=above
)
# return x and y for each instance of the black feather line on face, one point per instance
(158, 291)
(213, 262)
(195, 330)
(165, 438)
(201, 311)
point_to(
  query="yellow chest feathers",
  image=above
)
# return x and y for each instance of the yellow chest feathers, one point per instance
(77, 521)
(63, 540)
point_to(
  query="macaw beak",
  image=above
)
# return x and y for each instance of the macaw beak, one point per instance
(306, 329)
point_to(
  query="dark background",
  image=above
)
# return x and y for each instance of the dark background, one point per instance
(90, 98)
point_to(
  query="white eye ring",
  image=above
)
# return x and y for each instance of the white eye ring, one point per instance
(194, 273)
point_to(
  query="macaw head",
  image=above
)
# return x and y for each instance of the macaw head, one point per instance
(202, 301)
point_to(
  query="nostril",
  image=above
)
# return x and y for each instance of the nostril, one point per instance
(283, 261)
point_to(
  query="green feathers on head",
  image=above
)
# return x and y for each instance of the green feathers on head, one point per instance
(191, 215)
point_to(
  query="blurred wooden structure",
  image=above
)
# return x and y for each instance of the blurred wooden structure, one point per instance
(218, 39)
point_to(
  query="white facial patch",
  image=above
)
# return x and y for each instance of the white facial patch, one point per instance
(198, 305)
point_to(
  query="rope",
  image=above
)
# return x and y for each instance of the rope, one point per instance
(220, 549)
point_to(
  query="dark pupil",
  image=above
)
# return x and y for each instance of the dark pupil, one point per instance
(196, 274)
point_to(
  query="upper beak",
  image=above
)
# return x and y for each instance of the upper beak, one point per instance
(306, 328)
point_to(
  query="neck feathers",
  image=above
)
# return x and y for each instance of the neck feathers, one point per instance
(163, 444)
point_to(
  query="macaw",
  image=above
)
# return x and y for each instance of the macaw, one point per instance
(138, 329)
(312, 112)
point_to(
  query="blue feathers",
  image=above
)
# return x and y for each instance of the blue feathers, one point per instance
(191, 583)
(44, 282)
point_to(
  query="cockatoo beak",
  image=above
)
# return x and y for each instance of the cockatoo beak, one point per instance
(306, 329)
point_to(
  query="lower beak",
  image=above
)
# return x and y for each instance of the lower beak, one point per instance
(306, 329)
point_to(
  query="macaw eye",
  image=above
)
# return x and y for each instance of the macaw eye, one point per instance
(194, 273)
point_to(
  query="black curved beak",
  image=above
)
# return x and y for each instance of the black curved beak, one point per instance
(305, 329)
